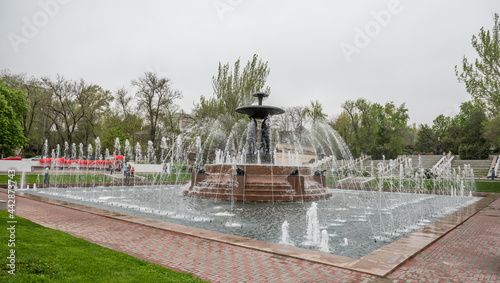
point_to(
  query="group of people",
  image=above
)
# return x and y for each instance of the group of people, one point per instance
(127, 169)
(336, 172)
(172, 169)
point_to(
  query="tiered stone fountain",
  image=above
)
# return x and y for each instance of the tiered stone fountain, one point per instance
(258, 179)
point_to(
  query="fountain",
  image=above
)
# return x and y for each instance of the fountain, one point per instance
(268, 176)
(259, 178)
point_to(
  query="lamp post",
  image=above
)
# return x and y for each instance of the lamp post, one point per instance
(439, 149)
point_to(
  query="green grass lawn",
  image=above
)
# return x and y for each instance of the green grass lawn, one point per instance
(56, 178)
(177, 177)
(331, 181)
(488, 186)
(47, 255)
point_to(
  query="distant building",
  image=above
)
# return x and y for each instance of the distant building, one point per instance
(185, 120)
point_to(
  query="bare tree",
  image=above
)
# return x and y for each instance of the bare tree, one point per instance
(74, 103)
(155, 96)
(123, 101)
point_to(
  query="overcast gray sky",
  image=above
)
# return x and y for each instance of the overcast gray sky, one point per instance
(388, 50)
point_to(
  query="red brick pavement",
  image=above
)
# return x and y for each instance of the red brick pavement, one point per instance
(470, 253)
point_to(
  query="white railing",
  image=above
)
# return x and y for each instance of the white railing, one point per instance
(393, 163)
(443, 161)
(495, 166)
(354, 162)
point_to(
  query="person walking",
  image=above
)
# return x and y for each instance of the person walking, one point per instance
(129, 170)
(111, 168)
(126, 173)
(492, 174)
(46, 176)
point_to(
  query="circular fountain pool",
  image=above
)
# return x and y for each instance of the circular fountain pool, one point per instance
(355, 222)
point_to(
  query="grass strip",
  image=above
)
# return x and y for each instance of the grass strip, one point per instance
(56, 178)
(48, 255)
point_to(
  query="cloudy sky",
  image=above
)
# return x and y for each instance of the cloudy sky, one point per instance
(389, 50)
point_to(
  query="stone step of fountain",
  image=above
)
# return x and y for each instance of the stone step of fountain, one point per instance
(264, 198)
(262, 189)
(269, 192)
(267, 184)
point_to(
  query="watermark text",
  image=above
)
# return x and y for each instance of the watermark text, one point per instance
(11, 222)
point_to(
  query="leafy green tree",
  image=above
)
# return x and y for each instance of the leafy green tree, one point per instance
(452, 139)
(373, 129)
(352, 119)
(492, 132)
(441, 125)
(392, 131)
(233, 88)
(465, 134)
(473, 144)
(426, 142)
(36, 95)
(315, 112)
(122, 121)
(114, 126)
(482, 77)
(12, 109)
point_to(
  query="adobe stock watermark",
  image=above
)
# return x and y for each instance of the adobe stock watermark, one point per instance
(31, 26)
(223, 6)
(363, 36)
(11, 223)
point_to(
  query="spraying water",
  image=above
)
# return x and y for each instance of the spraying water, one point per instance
(313, 231)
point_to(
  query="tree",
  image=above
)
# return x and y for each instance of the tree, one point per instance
(354, 124)
(12, 109)
(36, 95)
(114, 126)
(234, 88)
(426, 141)
(74, 107)
(441, 125)
(465, 134)
(373, 129)
(392, 131)
(473, 144)
(492, 132)
(314, 111)
(482, 77)
(123, 101)
(122, 121)
(155, 96)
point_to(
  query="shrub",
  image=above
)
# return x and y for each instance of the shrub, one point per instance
(473, 151)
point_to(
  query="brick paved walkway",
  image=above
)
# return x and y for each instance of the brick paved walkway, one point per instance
(469, 253)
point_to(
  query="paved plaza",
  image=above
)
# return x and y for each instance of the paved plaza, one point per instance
(468, 253)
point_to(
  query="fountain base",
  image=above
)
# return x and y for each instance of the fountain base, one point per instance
(259, 183)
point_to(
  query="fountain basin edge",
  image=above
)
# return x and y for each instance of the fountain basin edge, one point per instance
(259, 183)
